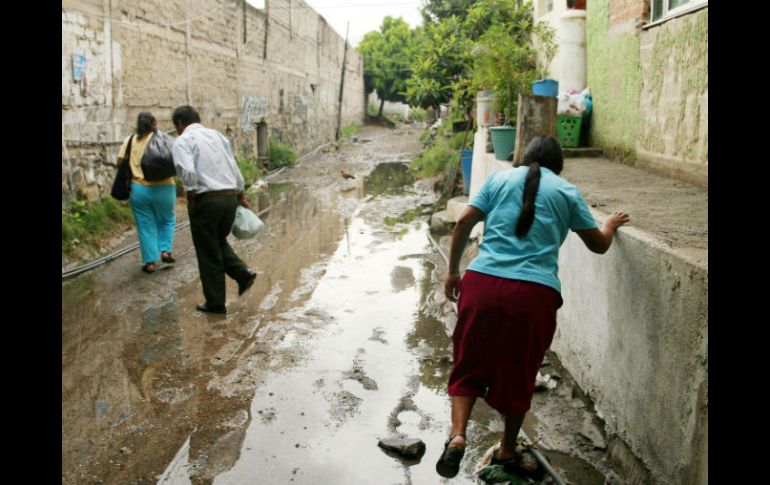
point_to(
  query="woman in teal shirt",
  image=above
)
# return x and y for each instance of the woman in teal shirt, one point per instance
(509, 294)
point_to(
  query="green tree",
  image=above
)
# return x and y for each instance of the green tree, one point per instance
(434, 11)
(505, 58)
(388, 55)
(441, 61)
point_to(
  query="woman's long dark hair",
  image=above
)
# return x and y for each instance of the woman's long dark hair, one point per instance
(145, 123)
(544, 151)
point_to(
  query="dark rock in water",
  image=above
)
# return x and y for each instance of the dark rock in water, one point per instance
(409, 448)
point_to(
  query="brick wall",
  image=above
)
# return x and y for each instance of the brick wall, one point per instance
(141, 56)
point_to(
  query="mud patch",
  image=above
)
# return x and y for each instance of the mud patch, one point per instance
(391, 178)
(344, 405)
(401, 278)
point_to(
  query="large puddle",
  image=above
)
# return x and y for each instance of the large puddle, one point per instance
(332, 351)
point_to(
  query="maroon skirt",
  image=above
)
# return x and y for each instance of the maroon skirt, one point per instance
(503, 329)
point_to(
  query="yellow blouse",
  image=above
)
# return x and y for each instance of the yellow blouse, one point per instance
(137, 151)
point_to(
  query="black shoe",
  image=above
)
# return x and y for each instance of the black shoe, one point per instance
(205, 307)
(449, 464)
(166, 257)
(247, 282)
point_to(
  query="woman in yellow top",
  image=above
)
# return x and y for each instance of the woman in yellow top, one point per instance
(151, 202)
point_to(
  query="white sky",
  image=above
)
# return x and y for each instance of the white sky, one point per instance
(364, 15)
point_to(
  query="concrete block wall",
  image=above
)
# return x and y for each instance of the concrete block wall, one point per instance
(144, 55)
(674, 97)
(650, 87)
(633, 332)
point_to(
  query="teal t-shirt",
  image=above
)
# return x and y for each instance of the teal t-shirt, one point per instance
(559, 206)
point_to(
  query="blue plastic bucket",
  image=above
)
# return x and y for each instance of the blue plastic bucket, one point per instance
(546, 87)
(467, 160)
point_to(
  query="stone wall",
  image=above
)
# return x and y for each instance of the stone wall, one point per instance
(234, 63)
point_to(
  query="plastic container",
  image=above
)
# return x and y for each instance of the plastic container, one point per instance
(504, 141)
(485, 102)
(568, 130)
(467, 159)
(546, 87)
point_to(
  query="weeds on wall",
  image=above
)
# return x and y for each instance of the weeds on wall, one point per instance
(350, 130)
(280, 156)
(249, 169)
(86, 225)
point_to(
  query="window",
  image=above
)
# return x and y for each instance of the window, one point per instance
(548, 5)
(669, 8)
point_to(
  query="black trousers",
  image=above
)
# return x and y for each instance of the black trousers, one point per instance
(211, 220)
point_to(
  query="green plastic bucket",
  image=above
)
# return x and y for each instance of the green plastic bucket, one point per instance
(504, 141)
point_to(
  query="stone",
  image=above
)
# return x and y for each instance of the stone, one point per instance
(591, 431)
(409, 448)
(440, 224)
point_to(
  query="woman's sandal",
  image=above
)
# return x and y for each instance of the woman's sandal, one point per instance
(449, 464)
(149, 268)
(166, 257)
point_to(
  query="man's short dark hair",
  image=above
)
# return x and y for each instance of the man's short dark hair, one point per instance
(186, 115)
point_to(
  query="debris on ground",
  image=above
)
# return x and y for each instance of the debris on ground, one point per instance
(592, 433)
(543, 382)
(409, 448)
(522, 470)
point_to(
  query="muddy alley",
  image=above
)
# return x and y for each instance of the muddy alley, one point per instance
(341, 341)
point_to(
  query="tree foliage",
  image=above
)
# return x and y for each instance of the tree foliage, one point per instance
(388, 55)
(489, 44)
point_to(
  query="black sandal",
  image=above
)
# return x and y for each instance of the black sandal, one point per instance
(149, 268)
(166, 257)
(449, 464)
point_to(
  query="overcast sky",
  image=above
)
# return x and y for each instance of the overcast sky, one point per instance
(364, 15)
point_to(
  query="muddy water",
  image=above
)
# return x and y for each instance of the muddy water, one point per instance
(332, 349)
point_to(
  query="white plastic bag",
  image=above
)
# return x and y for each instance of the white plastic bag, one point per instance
(572, 104)
(246, 224)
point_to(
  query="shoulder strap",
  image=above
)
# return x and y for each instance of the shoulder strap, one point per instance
(128, 148)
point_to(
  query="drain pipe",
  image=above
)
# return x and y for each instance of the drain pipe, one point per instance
(120, 252)
(538, 456)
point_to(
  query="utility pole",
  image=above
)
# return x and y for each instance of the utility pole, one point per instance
(342, 85)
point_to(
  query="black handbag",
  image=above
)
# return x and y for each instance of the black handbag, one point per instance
(157, 161)
(121, 186)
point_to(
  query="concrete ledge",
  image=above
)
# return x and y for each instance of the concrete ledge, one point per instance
(583, 152)
(690, 172)
(633, 333)
(455, 207)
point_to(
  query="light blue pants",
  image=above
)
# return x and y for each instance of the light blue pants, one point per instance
(153, 208)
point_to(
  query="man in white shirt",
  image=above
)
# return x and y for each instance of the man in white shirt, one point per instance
(214, 187)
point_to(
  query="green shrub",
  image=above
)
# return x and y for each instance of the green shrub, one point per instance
(419, 114)
(249, 169)
(433, 160)
(88, 224)
(280, 156)
(350, 130)
(456, 140)
(424, 136)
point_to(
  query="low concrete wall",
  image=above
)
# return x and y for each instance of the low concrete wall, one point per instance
(633, 332)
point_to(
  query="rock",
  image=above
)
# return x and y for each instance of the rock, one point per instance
(369, 384)
(543, 382)
(440, 224)
(591, 431)
(409, 448)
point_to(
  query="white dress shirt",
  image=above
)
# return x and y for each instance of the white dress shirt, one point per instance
(205, 162)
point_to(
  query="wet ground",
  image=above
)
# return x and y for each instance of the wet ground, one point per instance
(342, 340)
